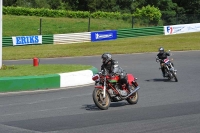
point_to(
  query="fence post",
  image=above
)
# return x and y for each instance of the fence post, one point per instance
(132, 21)
(40, 26)
(89, 25)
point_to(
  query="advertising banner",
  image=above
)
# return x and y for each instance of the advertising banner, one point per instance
(184, 28)
(26, 40)
(103, 35)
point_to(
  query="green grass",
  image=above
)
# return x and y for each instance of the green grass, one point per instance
(26, 25)
(179, 42)
(29, 25)
(27, 70)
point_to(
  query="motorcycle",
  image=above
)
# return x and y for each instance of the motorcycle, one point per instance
(170, 71)
(107, 90)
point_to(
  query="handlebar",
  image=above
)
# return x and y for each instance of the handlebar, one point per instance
(103, 74)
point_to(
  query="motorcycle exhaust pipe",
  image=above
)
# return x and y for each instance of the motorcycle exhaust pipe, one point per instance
(136, 89)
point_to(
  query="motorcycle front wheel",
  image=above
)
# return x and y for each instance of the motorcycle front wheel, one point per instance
(175, 77)
(134, 98)
(100, 102)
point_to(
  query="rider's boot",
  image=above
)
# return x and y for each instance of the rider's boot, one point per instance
(163, 72)
(165, 75)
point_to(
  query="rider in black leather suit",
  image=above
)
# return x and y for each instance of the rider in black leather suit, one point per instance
(162, 55)
(111, 66)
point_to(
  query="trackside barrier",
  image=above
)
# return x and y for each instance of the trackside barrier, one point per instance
(47, 39)
(182, 28)
(27, 83)
(103, 35)
(122, 33)
(86, 36)
(71, 38)
(8, 41)
(136, 32)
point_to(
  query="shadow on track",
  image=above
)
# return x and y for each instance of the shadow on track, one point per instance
(159, 80)
(93, 107)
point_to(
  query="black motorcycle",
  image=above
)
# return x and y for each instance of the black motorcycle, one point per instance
(170, 71)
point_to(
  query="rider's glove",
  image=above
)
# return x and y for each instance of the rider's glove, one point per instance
(157, 59)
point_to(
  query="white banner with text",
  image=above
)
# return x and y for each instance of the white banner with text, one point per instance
(26, 40)
(183, 28)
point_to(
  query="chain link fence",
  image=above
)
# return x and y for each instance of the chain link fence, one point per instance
(181, 19)
(47, 26)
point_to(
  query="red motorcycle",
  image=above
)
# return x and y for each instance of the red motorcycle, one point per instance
(107, 89)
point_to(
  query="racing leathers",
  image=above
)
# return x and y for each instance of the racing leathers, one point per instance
(162, 56)
(112, 68)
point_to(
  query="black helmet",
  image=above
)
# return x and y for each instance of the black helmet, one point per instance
(161, 50)
(106, 57)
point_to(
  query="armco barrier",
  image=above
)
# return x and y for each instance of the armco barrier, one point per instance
(47, 39)
(136, 32)
(27, 83)
(7, 41)
(86, 36)
(71, 38)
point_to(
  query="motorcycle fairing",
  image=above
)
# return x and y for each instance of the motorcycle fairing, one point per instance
(166, 60)
(131, 78)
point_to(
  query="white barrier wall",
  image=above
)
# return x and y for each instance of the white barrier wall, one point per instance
(76, 78)
(72, 38)
(183, 28)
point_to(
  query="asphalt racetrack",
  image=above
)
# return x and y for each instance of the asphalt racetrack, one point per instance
(163, 107)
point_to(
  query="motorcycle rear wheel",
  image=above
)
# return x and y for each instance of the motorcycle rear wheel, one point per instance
(134, 98)
(98, 99)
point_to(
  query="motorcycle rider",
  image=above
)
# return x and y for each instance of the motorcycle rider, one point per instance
(111, 66)
(162, 55)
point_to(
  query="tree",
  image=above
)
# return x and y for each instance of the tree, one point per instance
(168, 10)
(149, 13)
(188, 11)
(9, 2)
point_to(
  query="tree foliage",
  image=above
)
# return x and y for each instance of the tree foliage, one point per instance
(149, 13)
(124, 6)
(168, 8)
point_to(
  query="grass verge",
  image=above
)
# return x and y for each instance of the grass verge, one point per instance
(179, 42)
(27, 70)
(29, 25)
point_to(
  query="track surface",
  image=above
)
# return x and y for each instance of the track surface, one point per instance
(163, 106)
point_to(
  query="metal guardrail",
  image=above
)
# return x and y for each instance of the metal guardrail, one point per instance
(7, 41)
(136, 32)
(72, 38)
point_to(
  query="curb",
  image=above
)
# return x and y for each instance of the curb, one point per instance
(27, 83)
